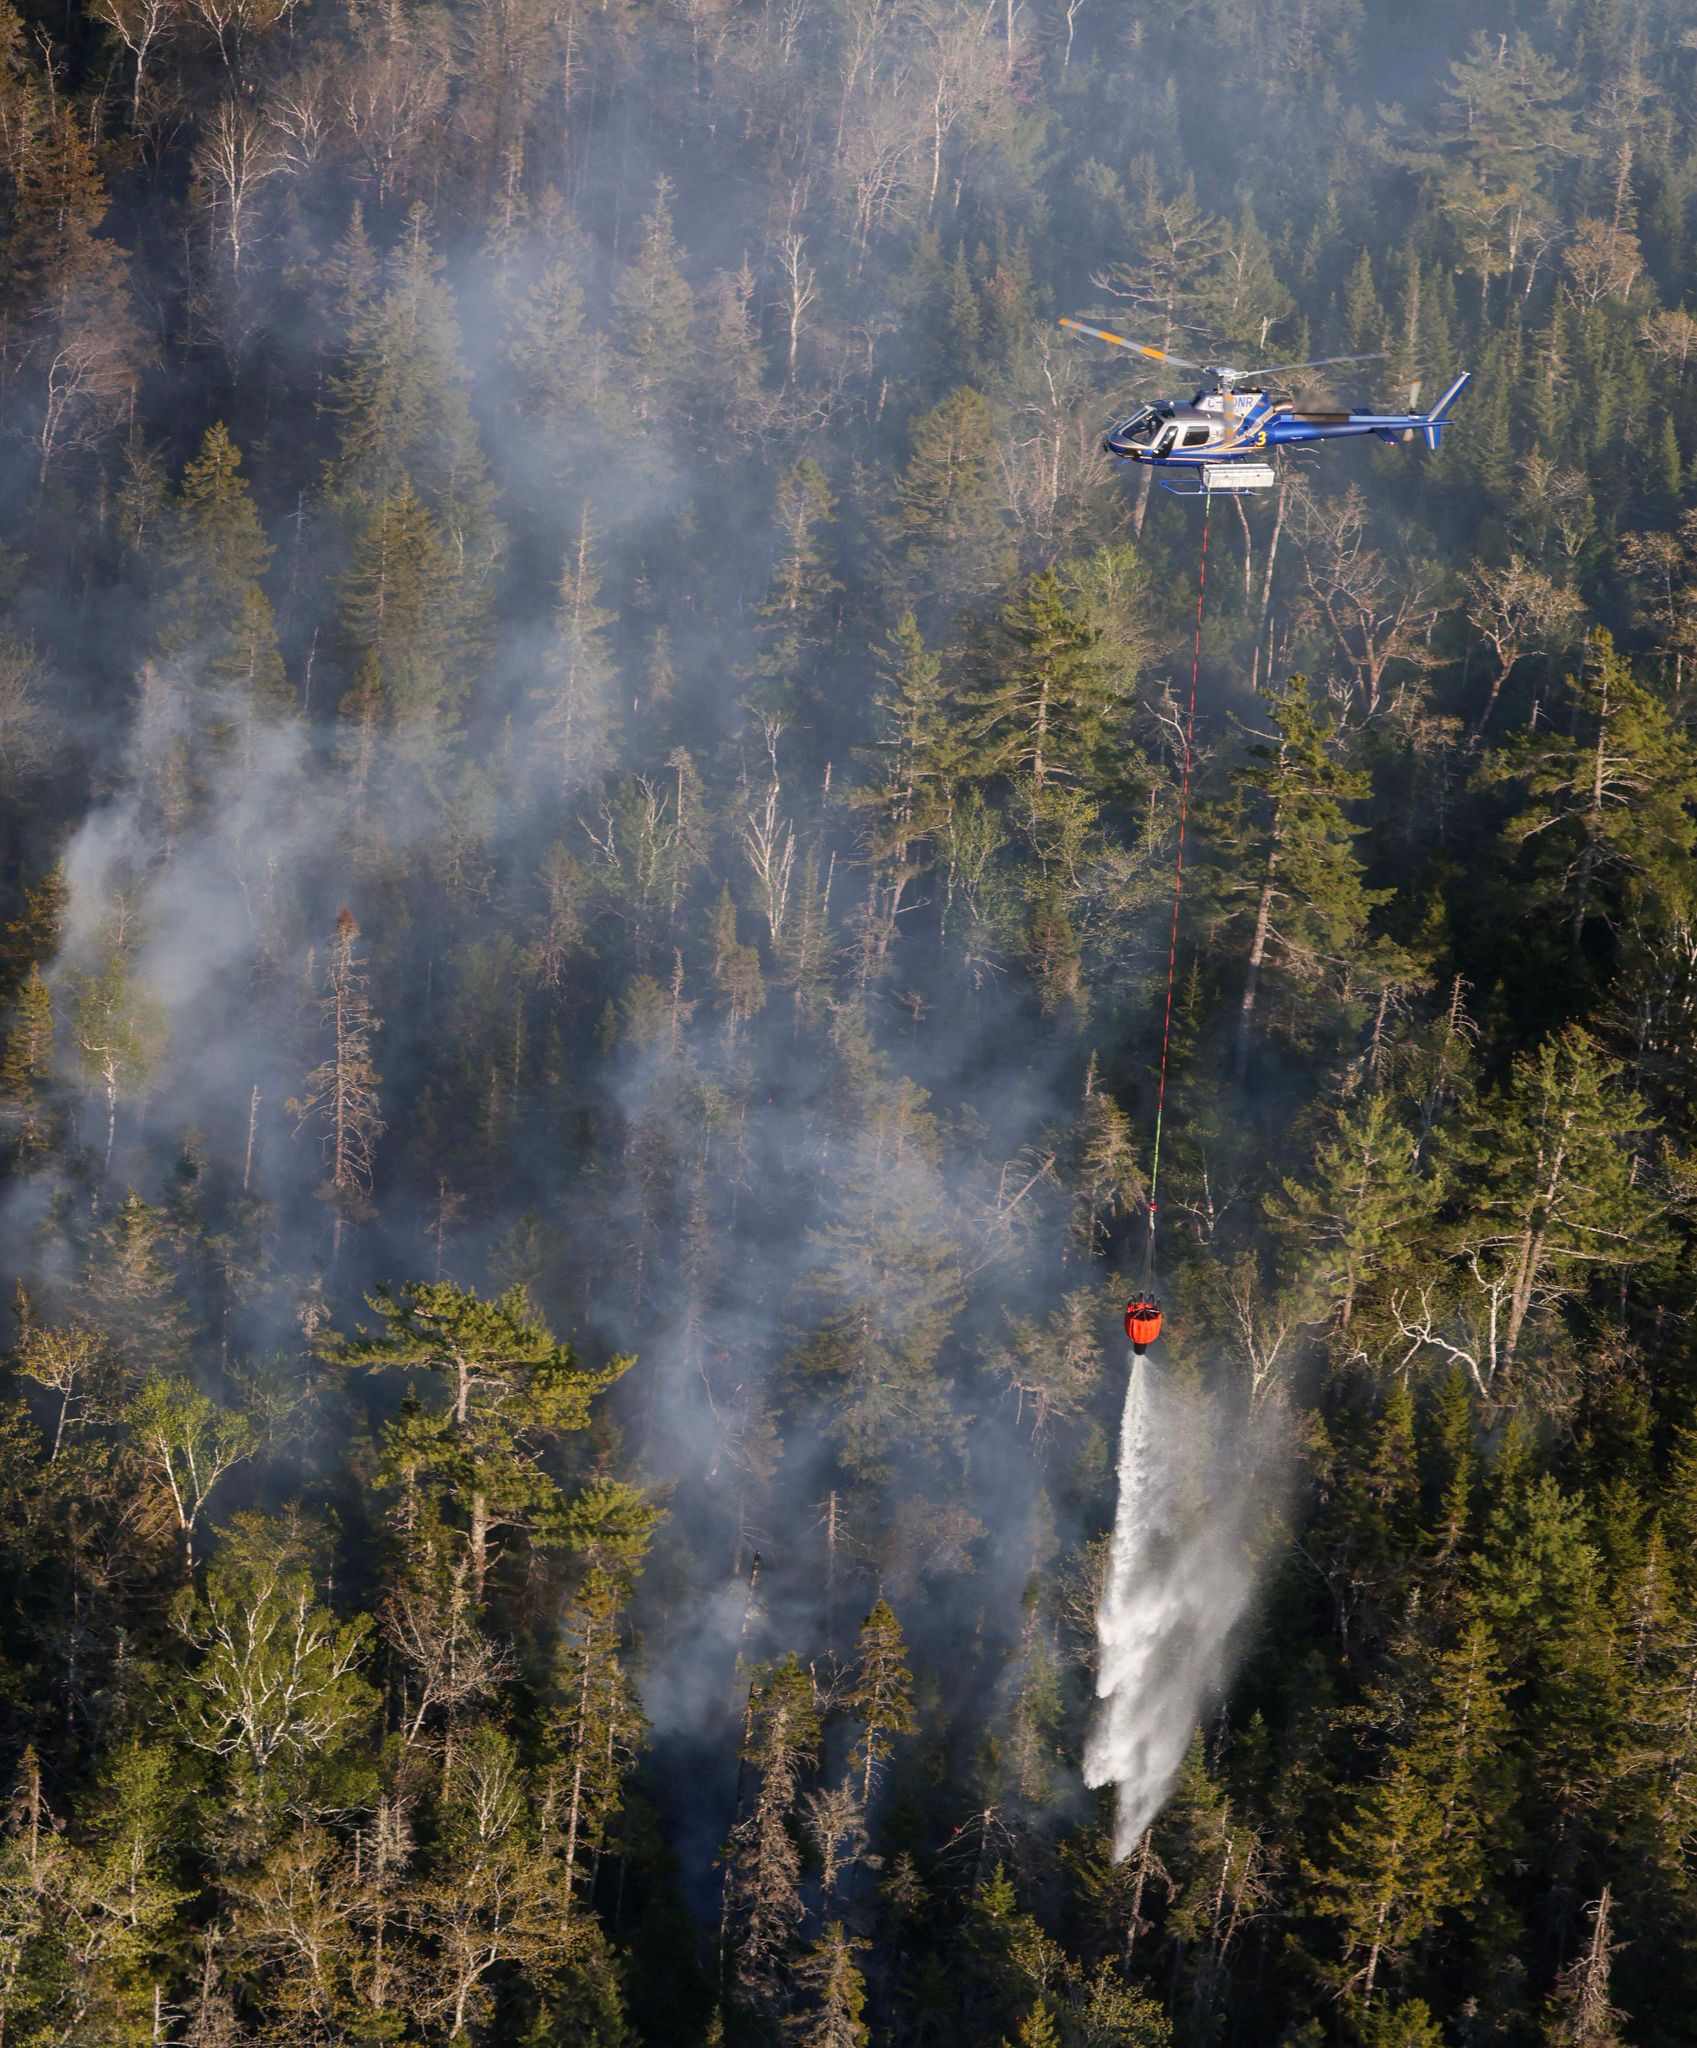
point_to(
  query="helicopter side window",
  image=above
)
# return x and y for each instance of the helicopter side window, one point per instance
(1196, 437)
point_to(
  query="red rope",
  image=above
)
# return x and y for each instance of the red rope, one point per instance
(1178, 886)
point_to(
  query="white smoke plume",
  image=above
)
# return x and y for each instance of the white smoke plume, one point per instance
(1180, 1575)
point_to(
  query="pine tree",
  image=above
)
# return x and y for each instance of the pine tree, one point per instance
(1245, 298)
(888, 1281)
(1047, 713)
(835, 1992)
(504, 1391)
(882, 1695)
(762, 1863)
(597, 1722)
(1451, 1464)
(1364, 317)
(68, 324)
(402, 617)
(26, 1070)
(735, 408)
(406, 422)
(1006, 1961)
(551, 355)
(798, 614)
(341, 1096)
(1611, 817)
(653, 313)
(1354, 1210)
(1037, 2029)
(1106, 1176)
(1384, 1882)
(914, 769)
(1290, 846)
(577, 694)
(131, 1290)
(949, 529)
(215, 611)
(32, 937)
(1055, 1366)
(736, 967)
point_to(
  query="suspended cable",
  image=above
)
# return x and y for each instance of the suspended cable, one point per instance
(1178, 890)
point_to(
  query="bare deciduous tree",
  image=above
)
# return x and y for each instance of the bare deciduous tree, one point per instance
(1517, 611)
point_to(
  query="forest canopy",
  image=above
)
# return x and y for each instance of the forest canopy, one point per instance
(592, 756)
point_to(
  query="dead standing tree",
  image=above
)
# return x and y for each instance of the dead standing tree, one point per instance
(1380, 609)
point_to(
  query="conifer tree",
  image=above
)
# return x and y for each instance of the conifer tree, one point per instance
(1294, 876)
(406, 422)
(32, 937)
(882, 1696)
(551, 355)
(1047, 713)
(914, 769)
(577, 691)
(26, 1069)
(131, 1290)
(1348, 1214)
(797, 615)
(889, 1285)
(1384, 1882)
(835, 1991)
(653, 312)
(1612, 811)
(762, 1862)
(597, 1722)
(341, 1097)
(402, 616)
(949, 528)
(216, 611)
(504, 1389)
(1008, 1960)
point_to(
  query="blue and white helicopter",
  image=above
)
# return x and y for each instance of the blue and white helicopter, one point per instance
(1221, 439)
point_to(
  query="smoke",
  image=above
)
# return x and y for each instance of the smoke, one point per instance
(1180, 1576)
(710, 1210)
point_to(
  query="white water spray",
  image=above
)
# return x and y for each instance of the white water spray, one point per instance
(1179, 1578)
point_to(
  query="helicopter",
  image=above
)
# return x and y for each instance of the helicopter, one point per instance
(1220, 439)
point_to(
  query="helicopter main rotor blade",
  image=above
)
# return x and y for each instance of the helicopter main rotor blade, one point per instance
(1317, 363)
(1137, 348)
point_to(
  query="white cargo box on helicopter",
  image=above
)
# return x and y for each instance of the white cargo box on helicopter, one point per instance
(1237, 476)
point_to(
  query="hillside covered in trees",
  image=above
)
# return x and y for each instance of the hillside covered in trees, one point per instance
(591, 758)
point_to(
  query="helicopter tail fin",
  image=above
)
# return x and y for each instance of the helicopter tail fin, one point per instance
(1433, 425)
